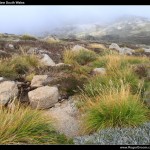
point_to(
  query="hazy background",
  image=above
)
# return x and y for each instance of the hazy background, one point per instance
(38, 19)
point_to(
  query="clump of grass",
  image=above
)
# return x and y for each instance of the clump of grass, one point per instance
(27, 126)
(28, 37)
(6, 71)
(16, 65)
(114, 108)
(80, 61)
(81, 57)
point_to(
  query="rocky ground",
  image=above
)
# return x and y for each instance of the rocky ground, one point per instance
(47, 84)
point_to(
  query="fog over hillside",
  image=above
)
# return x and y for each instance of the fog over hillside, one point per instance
(46, 19)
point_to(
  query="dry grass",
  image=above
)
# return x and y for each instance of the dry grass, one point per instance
(96, 45)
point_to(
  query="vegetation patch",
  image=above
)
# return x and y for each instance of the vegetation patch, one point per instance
(114, 108)
(28, 37)
(81, 57)
(27, 126)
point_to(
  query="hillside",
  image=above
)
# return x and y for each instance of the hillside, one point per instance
(130, 29)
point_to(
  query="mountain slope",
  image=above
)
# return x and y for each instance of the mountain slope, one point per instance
(127, 28)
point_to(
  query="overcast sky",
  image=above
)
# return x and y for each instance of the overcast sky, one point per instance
(34, 19)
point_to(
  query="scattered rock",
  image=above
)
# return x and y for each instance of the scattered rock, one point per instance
(1, 79)
(77, 48)
(38, 80)
(146, 50)
(126, 50)
(60, 64)
(47, 61)
(4, 54)
(11, 46)
(121, 51)
(115, 46)
(43, 97)
(8, 91)
(33, 50)
(101, 71)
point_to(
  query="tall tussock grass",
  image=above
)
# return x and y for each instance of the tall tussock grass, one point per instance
(114, 107)
(20, 64)
(26, 126)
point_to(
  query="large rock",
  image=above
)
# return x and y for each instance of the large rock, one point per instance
(122, 51)
(40, 80)
(8, 91)
(146, 50)
(126, 50)
(47, 61)
(43, 97)
(101, 71)
(11, 46)
(115, 46)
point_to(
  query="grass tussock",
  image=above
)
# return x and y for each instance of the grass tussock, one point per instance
(28, 37)
(16, 65)
(115, 107)
(81, 57)
(27, 126)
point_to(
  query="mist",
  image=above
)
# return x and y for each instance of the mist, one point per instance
(40, 19)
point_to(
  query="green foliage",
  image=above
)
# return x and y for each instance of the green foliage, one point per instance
(114, 108)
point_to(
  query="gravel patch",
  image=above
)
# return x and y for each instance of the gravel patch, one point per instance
(117, 136)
